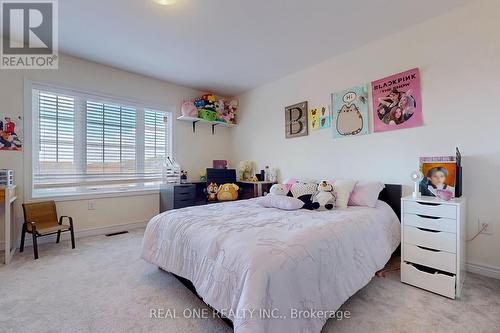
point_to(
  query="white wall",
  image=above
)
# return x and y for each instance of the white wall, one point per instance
(193, 151)
(459, 58)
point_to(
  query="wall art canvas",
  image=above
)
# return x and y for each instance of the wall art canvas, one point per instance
(397, 102)
(314, 118)
(350, 112)
(11, 132)
(319, 118)
(440, 175)
(296, 123)
(324, 118)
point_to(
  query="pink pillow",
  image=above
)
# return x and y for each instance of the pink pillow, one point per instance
(289, 182)
(366, 193)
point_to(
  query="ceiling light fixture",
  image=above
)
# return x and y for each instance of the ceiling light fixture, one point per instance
(166, 2)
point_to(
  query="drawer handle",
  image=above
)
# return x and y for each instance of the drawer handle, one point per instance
(428, 230)
(429, 270)
(428, 249)
(428, 203)
(428, 217)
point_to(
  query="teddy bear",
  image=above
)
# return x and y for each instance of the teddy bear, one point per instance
(228, 192)
(212, 190)
(324, 197)
(279, 189)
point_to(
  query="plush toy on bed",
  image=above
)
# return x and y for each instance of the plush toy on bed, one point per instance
(324, 198)
(228, 192)
(279, 189)
(212, 190)
(303, 192)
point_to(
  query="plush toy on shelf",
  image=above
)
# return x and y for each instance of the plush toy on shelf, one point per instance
(219, 108)
(212, 190)
(228, 192)
(230, 109)
(207, 111)
(189, 109)
(199, 103)
(324, 197)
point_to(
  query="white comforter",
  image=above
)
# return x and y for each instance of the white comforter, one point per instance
(261, 266)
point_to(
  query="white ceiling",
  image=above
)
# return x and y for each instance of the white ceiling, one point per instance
(230, 46)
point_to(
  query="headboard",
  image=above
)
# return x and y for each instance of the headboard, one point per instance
(392, 194)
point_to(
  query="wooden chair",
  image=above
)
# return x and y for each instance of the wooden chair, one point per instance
(40, 219)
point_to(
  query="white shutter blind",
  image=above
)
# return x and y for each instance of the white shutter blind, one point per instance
(56, 132)
(86, 143)
(155, 141)
(110, 139)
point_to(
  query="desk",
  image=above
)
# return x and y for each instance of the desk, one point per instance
(8, 195)
(255, 189)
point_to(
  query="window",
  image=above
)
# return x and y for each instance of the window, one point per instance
(88, 144)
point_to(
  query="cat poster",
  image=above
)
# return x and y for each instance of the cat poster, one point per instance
(11, 132)
(397, 102)
(350, 112)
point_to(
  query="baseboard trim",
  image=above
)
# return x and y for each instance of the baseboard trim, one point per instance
(481, 269)
(82, 233)
(485, 270)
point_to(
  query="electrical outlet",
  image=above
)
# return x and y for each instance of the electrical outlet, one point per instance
(488, 230)
(91, 205)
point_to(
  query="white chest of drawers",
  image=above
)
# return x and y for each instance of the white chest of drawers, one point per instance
(433, 244)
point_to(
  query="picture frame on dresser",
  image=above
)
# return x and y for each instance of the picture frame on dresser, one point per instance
(433, 244)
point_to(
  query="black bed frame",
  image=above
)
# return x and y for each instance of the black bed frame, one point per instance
(391, 194)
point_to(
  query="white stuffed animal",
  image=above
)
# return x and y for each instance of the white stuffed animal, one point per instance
(278, 189)
(324, 197)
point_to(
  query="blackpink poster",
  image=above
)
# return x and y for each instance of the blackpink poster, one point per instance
(397, 102)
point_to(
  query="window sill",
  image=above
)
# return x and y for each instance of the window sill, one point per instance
(97, 195)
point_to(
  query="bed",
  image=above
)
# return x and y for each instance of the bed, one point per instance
(269, 270)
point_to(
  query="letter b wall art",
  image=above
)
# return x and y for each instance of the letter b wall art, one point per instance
(296, 122)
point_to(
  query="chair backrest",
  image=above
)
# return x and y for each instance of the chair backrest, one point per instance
(43, 213)
(221, 176)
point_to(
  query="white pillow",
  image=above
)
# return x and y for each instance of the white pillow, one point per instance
(281, 202)
(342, 190)
(366, 193)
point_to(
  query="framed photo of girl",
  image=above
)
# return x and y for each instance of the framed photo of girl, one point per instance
(439, 176)
(397, 102)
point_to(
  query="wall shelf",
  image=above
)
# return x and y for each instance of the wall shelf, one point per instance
(195, 120)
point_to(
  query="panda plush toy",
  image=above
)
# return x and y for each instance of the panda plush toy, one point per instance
(324, 198)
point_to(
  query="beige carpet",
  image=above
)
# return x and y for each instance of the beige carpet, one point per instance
(103, 286)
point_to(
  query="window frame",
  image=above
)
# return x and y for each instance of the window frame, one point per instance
(30, 147)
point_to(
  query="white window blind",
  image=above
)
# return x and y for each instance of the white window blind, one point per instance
(85, 143)
(155, 140)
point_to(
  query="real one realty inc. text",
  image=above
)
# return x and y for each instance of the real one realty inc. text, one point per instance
(205, 313)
